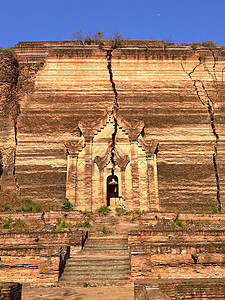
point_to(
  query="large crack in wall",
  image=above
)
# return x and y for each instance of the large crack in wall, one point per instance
(207, 101)
(115, 107)
(14, 155)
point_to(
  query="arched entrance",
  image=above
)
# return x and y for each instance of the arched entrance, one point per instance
(112, 188)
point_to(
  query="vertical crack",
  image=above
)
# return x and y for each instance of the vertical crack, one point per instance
(109, 67)
(115, 108)
(206, 101)
(14, 155)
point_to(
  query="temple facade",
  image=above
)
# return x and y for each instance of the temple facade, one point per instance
(132, 184)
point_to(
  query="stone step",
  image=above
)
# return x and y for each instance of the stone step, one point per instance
(107, 242)
(78, 264)
(95, 277)
(107, 239)
(99, 258)
(97, 265)
(105, 252)
(100, 244)
(105, 247)
(106, 282)
(96, 268)
(104, 258)
(95, 272)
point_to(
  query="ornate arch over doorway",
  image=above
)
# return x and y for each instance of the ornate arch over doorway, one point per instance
(112, 188)
(89, 165)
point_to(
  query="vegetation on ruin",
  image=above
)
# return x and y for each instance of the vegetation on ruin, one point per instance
(67, 205)
(85, 224)
(88, 214)
(60, 225)
(214, 209)
(104, 230)
(122, 212)
(98, 38)
(104, 209)
(178, 222)
(9, 50)
(12, 202)
(30, 205)
(208, 44)
(13, 224)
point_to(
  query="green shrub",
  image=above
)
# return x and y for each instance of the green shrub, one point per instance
(214, 209)
(121, 211)
(5, 206)
(60, 225)
(178, 222)
(88, 41)
(78, 225)
(30, 205)
(189, 222)
(104, 229)
(26, 200)
(26, 208)
(9, 50)
(67, 205)
(86, 224)
(104, 209)
(8, 224)
(88, 213)
(116, 41)
(209, 44)
(19, 223)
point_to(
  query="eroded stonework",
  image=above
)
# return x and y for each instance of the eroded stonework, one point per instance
(175, 91)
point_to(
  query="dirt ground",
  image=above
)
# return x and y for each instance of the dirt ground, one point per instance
(78, 293)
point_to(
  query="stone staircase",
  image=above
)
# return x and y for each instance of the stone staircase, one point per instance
(102, 259)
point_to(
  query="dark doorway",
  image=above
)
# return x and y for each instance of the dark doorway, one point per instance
(112, 188)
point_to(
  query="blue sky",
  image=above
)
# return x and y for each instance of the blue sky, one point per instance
(174, 20)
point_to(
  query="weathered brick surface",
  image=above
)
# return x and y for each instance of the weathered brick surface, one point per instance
(36, 257)
(169, 254)
(10, 291)
(32, 264)
(153, 86)
(180, 289)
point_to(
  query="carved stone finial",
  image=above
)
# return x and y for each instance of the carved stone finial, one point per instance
(121, 161)
(102, 162)
(150, 147)
(74, 147)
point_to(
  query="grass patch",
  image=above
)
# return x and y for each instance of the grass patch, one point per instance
(214, 209)
(60, 225)
(30, 205)
(178, 222)
(13, 224)
(103, 209)
(121, 212)
(84, 224)
(88, 214)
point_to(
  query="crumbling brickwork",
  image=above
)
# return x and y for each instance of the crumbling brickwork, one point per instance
(177, 91)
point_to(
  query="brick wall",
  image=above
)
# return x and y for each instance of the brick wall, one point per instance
(32, 264)
(10, 291)
(180, 289)
(73, 238)
(170, 254)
